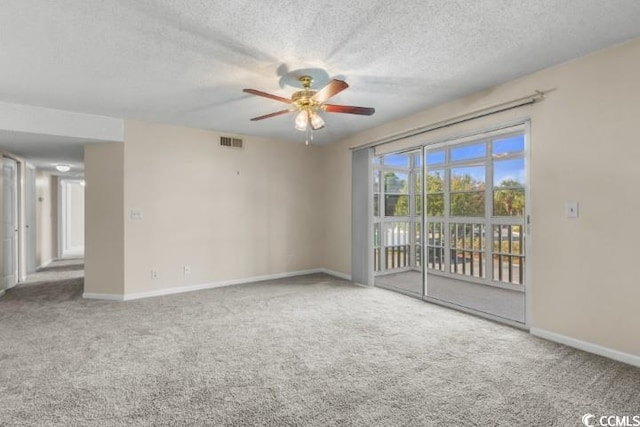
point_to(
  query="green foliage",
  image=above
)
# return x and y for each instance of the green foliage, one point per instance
(393, 184)
(467, 204)
(435, 196)
(402, 206)
(435, 182)
(467, 196)
(508, 199)
(466, 183)
(396, 203)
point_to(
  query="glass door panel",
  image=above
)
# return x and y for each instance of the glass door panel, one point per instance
(398, 221)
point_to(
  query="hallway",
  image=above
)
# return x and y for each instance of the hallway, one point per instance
(61, 280)
(59, 270)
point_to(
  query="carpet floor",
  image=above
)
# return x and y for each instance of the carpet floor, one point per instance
(304, 351)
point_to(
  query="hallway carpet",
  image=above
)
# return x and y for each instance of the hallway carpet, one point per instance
(303, 351)
(57, 271)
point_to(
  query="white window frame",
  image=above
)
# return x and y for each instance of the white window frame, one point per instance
(488, 219)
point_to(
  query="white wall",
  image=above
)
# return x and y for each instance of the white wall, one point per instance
(72, 215)
(228, 213)
(46, 218)
(584, 148)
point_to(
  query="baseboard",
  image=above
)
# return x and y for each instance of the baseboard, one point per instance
(220, 284)
(44, 264)
(335, 273)
(105, 297)
(1, 292)
(211, 285)
(620, 356)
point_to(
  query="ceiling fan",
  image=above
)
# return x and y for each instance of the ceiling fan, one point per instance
(309, 102)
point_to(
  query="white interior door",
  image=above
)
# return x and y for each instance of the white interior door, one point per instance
(10, 222)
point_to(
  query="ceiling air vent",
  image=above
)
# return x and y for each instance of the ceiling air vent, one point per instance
(227, 141)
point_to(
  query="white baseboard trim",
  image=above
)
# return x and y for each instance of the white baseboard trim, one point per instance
(211, 285)
(105, 297)
(44, 264)
(620, 356)
(335, 273)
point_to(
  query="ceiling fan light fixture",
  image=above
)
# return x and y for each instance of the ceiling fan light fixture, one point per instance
(301, 120)
(308, 103)
(316, 121)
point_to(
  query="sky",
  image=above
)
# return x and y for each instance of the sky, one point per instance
(511, 169)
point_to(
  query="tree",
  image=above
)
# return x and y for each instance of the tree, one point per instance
(396, 204)
(508, 199)
(435, 194)
(467, 196)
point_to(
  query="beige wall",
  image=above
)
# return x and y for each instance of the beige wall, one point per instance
(228, 213)
(46, 218)
(337, 214)
(584, 148)
(104, 219)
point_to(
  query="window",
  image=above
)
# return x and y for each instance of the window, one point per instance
(467, 190)
(508, 254)
(476, 206)
(435, 246)
(397, 200)
(467, 249)
(396, 194)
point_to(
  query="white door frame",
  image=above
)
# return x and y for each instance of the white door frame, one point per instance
(17, 212)
(525, 125)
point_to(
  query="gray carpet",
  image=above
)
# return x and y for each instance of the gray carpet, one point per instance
(58, 270)
(305, 351)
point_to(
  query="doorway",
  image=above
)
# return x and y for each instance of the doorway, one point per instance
(397, 212)
(71, 218)
(449, 223)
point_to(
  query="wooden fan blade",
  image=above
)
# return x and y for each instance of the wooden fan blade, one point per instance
(363, 111)
(267, 95)
(333, 88)
(266, 116)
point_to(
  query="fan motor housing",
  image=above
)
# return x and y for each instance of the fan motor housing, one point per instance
(303, 97)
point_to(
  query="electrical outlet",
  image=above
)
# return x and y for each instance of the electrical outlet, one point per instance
(571, 209)
(154, 274)
(186, 270)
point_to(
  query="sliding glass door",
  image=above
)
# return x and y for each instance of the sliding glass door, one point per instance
(397, 214)
(474, 207)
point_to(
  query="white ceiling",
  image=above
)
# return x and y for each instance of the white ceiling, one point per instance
(186, 61)
(46, 151)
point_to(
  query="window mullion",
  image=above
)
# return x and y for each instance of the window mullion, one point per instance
(447, 207)
(489, 211)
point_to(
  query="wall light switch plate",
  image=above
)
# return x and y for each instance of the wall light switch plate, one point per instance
(571, 209)
(135, 214)
(187, 270)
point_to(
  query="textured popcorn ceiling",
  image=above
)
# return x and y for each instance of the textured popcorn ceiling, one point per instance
(186, 62)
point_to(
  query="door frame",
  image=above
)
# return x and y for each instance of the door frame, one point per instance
(525, 123)
(18, 219)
